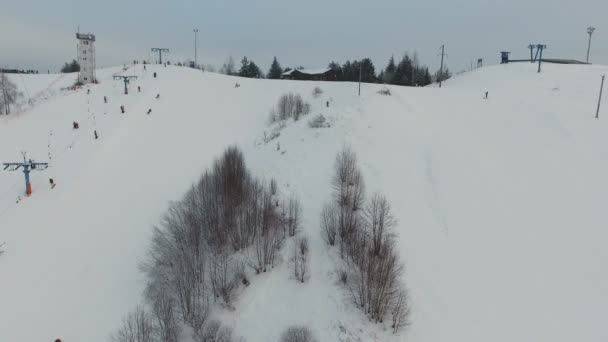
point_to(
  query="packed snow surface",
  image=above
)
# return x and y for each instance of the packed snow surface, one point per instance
(501, 202)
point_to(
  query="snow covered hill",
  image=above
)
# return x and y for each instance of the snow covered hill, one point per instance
(500, 202)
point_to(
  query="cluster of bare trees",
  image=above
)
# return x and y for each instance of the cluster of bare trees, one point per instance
(227, 220)
(365, 235)
(8, 94)
(289, 106)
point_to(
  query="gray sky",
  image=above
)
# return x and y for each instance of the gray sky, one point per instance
(39, 34)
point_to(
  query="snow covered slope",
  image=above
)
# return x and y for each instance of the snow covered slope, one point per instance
(499, 201)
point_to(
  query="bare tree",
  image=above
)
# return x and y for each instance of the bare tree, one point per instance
(300, 259)
(162, 303)
(136, 327)
(400, 311)
(293, 218)
(228, 67)
(215, 332)
(297, 333)
(329, 223)
(379, 221)
(289, 106)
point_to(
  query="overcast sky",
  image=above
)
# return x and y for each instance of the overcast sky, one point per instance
(39, 34)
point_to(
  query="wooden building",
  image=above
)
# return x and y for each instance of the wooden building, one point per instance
(310, 75)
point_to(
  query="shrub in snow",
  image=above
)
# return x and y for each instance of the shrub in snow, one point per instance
(317, 91)
(289, 106)
(384, 91)
(297, 334)
(318, 121)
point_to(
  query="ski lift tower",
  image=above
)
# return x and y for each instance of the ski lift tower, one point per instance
(125, 79)
(27, 165)
(86, 58)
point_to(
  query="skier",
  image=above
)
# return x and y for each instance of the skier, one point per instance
(139, 89)
(88, 91)
(486, 95)
(52, 183)
(327, 104)
(157, 96)
(75, 125)
(154, 74)
(105, 99)
(149, 111)
(95, 133)
(144, 66)
(122, 109)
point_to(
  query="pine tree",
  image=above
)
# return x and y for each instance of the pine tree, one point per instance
(389, 71)
(244, 70)
(73, 66)
(368, 72)
(403, 73)
(275, 70)
(253, 71)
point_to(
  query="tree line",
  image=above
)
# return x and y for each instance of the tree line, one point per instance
(407, 72)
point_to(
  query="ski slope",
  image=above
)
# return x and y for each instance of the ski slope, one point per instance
(500, 202)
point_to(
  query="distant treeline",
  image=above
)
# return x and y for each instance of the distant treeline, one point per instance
(17, 71)
(407, 72)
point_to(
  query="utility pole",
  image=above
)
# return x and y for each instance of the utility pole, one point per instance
(539, 51)
(597, 113)
(360, 67)
(27, 165)
(195, 49)
(160, 53)
(590, 30)
(441, 68)
(125, 79)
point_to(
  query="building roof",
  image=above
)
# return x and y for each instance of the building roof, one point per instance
(85, 36)
(307, 71)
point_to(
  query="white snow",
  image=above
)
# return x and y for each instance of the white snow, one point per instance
(500, 202)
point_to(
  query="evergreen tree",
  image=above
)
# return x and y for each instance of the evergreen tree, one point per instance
(427, 77)
(253, 71)
(368, 72)
(403, 73)
(71, 67)
(389, 71)
(244, 70)
(275, 70)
